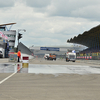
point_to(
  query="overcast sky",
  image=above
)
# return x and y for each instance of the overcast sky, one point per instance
(50, 22)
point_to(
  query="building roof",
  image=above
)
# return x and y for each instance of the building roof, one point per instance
(89, 38)
(7, 24)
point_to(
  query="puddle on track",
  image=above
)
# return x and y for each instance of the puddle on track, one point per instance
(48, 69)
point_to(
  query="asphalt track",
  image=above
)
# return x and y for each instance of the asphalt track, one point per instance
(34, 85)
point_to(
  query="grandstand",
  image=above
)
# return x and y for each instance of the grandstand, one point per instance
(91, 39)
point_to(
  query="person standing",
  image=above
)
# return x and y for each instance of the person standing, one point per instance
(19, 55)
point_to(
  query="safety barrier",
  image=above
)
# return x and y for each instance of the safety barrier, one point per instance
(25, 62)
(89, 56)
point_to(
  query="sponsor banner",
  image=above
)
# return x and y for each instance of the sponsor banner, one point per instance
(25, 58)
(49, 48)
(11, 52)
(3, 35)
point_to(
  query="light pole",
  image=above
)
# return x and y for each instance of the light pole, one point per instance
(20, 35)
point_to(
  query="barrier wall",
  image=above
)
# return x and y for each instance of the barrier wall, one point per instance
(89, 56)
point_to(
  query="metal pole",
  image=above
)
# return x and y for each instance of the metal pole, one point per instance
(18, 41)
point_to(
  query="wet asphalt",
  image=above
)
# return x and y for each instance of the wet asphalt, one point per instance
(50, 80)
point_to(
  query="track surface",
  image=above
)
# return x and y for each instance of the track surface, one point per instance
(39, 86)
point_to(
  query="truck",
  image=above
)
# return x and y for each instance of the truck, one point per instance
(50, 56)
(70, 56)
(46, 56)
(2, 52)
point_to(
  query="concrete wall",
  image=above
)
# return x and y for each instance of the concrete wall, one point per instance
(24, 49)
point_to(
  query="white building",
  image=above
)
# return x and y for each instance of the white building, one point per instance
(58, 50)
(11, 34)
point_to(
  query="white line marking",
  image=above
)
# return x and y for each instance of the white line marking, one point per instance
(8, 77)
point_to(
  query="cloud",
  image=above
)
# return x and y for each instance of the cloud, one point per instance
(5, 3)
(89, 12)
(51, 22)
(88, 9)
(54, 30)
(38, 3)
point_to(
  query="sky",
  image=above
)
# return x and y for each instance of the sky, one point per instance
(50, 22)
